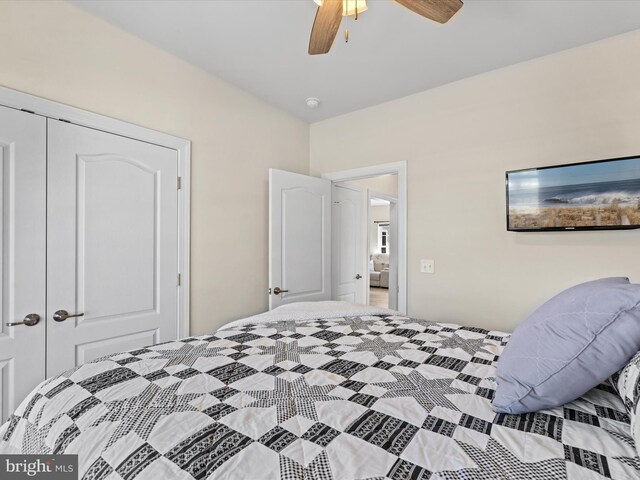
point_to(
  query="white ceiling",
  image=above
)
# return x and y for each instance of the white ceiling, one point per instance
(261, 45)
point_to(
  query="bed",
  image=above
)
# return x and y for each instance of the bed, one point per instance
(325, 392)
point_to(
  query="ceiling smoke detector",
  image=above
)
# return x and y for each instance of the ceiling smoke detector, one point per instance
(313, 102)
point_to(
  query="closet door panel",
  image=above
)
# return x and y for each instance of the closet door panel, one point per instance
(22, 254)
(112, 244)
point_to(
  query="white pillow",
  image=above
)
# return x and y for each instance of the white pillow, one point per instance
(305, 311)
(627, 383)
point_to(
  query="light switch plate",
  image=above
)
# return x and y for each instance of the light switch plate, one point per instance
(427, 266)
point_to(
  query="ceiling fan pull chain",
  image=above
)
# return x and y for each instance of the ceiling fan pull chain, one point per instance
(346, 30)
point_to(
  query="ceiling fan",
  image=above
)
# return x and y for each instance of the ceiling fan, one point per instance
(330, 13)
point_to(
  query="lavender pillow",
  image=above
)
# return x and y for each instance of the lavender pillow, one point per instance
(569, 345)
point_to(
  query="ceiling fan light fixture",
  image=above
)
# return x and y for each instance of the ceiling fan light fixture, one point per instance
(349, 6)
(330, 12)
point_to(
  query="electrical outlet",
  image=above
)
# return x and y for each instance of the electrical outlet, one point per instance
(427, 266)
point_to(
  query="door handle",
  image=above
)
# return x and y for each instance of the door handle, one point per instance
(30, 320)
(62, 315)
(278, 291)
(358, 276)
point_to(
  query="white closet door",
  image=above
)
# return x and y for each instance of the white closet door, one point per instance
(23, 176)
(112, 244)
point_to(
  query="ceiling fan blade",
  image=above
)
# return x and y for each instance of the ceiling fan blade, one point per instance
(437, 10)
(325, 26)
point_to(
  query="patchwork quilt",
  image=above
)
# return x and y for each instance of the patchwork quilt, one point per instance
(367, 397)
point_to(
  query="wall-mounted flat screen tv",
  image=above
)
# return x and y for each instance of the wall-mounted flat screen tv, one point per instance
(600, 195)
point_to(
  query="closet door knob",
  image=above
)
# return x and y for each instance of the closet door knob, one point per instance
(30, 320)
(62, 315)
(278, 291)
(358, 277)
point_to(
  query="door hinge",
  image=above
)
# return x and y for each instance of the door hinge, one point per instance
(179, 279)
(179, 183)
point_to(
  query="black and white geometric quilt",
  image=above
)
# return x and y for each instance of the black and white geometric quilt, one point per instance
(347, 398)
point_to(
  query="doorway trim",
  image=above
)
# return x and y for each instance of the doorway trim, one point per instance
(59, 111)
(399, 169)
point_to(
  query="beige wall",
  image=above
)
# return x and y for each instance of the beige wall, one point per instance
(458, 141)
(59, 52)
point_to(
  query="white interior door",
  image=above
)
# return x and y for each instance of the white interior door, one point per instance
(112, 251)
(349, 232)
(299, 238)
(393, 255)
(23, 187)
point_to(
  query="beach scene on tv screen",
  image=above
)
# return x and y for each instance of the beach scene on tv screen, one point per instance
(602, 194)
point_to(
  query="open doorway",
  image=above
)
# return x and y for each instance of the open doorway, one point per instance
(383, 250)
(381, 230)
(319, 236)
(379, 251)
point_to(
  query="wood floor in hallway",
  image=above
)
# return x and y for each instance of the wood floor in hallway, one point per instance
(379, 297)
